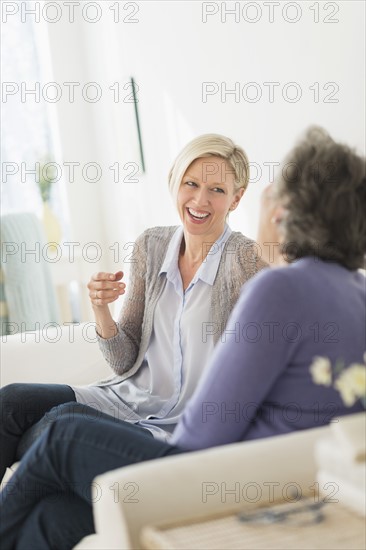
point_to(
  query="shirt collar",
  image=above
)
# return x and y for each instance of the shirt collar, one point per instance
(208, 269)
(171, 256)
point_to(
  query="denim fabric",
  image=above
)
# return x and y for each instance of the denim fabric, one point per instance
(22, 406)
(47, 504)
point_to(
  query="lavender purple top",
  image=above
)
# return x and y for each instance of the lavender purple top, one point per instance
(258, 382)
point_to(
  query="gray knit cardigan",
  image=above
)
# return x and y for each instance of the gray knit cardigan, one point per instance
(126, 350)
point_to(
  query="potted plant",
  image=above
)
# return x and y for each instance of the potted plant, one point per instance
(46, 178)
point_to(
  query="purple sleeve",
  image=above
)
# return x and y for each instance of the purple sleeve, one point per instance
(247, 361)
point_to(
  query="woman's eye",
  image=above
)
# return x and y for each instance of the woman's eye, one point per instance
(191, 183)
(219, 190)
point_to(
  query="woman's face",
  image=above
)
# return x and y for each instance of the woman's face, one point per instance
(270, 235)
(205, 196)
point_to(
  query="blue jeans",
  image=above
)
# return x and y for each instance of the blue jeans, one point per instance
(47, 504)
(22, 420)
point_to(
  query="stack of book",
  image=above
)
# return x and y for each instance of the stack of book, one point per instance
(341, 461)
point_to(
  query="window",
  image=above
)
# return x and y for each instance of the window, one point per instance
(30, 130)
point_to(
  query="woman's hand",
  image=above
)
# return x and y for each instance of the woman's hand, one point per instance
(105, 288)
(269, 238)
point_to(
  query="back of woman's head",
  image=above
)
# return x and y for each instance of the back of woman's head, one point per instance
(208, 145)
(323, 188)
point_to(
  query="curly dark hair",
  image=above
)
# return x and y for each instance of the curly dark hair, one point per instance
(323, 188)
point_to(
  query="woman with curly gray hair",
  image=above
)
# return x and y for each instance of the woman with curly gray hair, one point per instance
(317, 204)
(258, 382)
(324, 190)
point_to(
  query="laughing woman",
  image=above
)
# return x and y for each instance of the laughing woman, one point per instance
(183, 285)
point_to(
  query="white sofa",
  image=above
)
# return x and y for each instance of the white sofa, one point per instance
(199, 485)
(171, 489)
(66, 354)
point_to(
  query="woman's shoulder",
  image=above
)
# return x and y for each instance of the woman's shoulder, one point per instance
(296, 280)
(238, 237)
(157, 235)
(160, 231)
(151, 245)
(247, 252)
(270, 289)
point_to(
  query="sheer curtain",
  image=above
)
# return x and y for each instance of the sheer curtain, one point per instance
(30, 138)
(30, 133)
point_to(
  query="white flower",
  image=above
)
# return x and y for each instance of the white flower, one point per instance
(321, 371)
(351, 384)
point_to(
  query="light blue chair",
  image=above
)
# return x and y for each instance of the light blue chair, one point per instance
(28, 294)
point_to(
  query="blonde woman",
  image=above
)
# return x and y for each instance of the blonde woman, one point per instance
(183, 284)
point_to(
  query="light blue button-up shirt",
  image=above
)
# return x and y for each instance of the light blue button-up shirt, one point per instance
(156, 395)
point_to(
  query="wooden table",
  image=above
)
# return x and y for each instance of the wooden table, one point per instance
(338, 529)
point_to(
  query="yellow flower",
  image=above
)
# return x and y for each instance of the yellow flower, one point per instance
(321, 371)
(351, 384)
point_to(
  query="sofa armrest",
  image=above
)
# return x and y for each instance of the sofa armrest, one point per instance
(67, 354)
(199, 484)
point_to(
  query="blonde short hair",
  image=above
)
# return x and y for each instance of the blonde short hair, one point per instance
(210, 145)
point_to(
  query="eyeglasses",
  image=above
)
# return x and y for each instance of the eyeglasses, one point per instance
(294, 514)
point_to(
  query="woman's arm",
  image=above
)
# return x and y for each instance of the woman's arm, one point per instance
(121, 350)
(247, 361)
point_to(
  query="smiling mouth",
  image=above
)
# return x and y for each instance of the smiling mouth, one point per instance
(198, 216)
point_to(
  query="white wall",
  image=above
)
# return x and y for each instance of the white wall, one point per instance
(171, 52)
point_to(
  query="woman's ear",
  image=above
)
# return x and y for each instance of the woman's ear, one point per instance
(237, 199)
